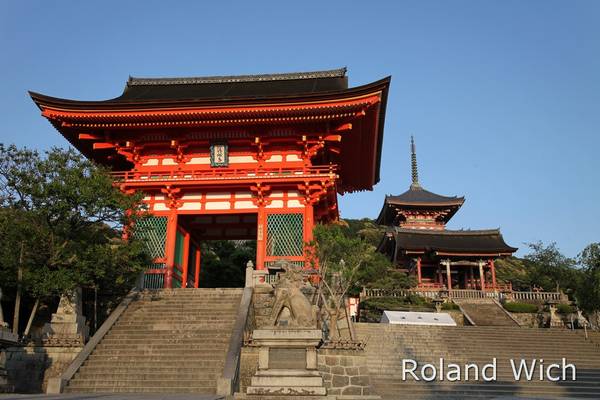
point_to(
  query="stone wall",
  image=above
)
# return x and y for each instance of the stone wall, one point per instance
(344, 372)
(527, 320)
(30, 367)
(248, 366)
(262, 303)
(457, 316)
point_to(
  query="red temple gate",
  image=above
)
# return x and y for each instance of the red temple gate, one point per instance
(258, 157)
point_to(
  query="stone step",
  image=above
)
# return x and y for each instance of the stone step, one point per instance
(501, 363)
(168, 363)
(156, 358)
(201, 353)
(150, 383)
(191, 319)
(152, 376)
(98, 370)
(486, 353)
(142, 389)
(530, 387)
(159, 344)
(180, 313)
(223, 299)
(482, 345)
(154, 338)
(180, 328)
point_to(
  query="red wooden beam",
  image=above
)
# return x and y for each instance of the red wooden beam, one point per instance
(89, 136)
(101, 146)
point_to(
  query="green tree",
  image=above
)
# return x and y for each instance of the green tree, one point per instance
(61, 220)
(224, 262)
(588, 294)
(349, 260)
(549, 269)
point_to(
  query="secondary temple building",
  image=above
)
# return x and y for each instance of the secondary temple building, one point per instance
(257, 157)
(418, 242)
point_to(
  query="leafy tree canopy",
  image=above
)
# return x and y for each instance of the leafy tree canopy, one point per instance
(588, 294)
(61, 220)
(355, 242)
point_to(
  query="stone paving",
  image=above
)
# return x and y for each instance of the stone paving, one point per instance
(109, 396)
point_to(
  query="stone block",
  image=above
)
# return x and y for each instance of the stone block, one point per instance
(346, 361)
(337, 370)
(351, 371)
(331, 360)
(360, 380)
(339, 381)
(352, 390)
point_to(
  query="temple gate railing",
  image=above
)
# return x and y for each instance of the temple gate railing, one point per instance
(285, 174)
(368, 293)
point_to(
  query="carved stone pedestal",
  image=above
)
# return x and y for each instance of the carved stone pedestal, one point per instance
(287, 363)
(67, 326)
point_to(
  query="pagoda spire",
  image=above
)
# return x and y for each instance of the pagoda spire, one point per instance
(413, 159)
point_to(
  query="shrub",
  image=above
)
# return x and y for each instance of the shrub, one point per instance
(450, 306)
(564, 309)
(520, 307)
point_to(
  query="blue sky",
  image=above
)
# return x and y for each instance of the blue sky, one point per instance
(503, 97)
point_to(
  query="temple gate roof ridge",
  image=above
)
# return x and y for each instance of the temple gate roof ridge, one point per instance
(196, 80)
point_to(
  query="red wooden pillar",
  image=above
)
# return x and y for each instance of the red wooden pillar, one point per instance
(261, 233)
(419, 277)
(308, 229)
(186, 255)
(197, 266)
(170, 248)
(493, 268)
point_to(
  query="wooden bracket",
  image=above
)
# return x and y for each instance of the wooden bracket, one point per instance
(173, 195)
(261, 194)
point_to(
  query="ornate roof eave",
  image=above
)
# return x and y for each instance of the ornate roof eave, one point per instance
(458, 202)
(72, 118)
(297, 112)
(500, 249)
(44, 101)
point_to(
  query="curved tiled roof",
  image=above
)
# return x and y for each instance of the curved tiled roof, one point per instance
(416, 195)
(472, 242)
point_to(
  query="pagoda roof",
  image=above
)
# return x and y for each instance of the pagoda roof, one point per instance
(450, 242)
(418, 198)
(209, 103)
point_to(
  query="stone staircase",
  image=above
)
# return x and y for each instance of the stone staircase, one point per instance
(167, 341)
(485, 312)
(388, 345)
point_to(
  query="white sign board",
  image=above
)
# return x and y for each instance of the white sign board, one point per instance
(416, 318)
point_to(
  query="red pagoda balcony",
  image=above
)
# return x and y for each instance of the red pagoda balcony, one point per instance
(225, 175)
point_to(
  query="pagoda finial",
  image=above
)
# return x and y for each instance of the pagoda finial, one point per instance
(413, 158)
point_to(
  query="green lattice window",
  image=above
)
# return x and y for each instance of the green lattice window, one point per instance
(154, 231)
(179, 241)
(285, 234)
